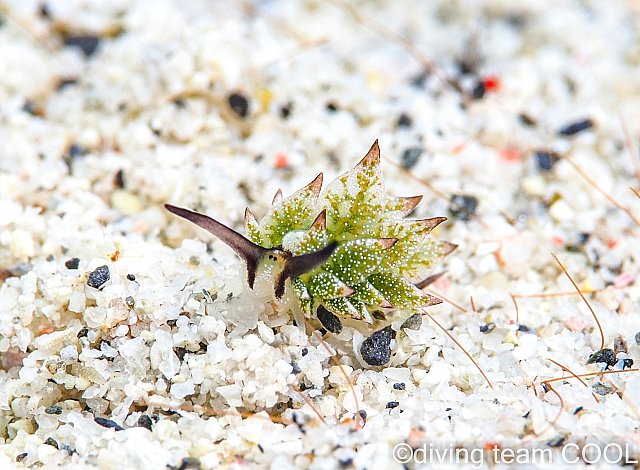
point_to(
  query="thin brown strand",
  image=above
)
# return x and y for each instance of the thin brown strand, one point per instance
(344, 372)
(513, 297)
(630, 146)
(386, 33)
(440, 194)
(591, 374)
(634, 191)
(70, 71)
(437, 294)
(562, 294)
(215, 411)
(583, 298)
(300, 48)
(308, 402)
(465, 143)
(601, 191)
(557, 418)
(473, 305)
(424, 312)
(525, 442)
(566, 369)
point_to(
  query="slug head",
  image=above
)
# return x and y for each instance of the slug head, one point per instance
(254, 255)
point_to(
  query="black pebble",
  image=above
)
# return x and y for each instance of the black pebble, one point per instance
(330, 321)
(468, 202)
(583, 237)
(98, 277)
(239, 104)
(392, 404)
(404, 120)
(83, 332)
(332, 107)
(30, 107)
(145, 422)
(578, 410)
(576, 127)
(410, 157)
(546, 159)
(131, 277)
(478, 90)
(131, 302)
(363, 416)
(638, 338)
(557, 442)
(414, 322)
(375, 350)
(304, 352)
(525, 329)
(419, 80)
(627, 364)
(88, 44)
(488, 328)
(65, 82)
(399, 386)
(119, 179)
(76, 151)
(44, 11)
(605, 355)
(189, 463)
(180, 352)
(378, 315)
(295, 368)
(107, 423)
(21, 457)
(285, 110)
(72, 263)
(53, 410)
(52, 442)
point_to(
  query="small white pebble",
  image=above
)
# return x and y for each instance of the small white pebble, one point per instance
(266, 333)
(122, 330)
(77, 302)
(69, 353)
(561, 211)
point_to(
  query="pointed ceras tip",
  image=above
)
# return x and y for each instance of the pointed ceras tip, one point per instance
(321, 221)
(277, 198)
(387, 242)
(409, 204)
(250, 253)
(249, 218)
(315, 185)
(346, 291)
(372, 157)
(429, 280)
(433, 222)
(432, 300)
(448, 248)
